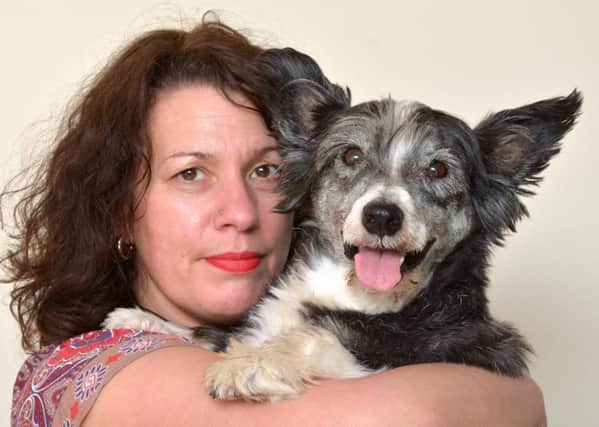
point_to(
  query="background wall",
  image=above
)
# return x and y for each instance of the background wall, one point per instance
(467, 57)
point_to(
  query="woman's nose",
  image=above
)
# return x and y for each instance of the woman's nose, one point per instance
(237, 206)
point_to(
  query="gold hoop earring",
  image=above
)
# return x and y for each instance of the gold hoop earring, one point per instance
(125, 250)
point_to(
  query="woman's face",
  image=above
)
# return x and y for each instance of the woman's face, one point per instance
(207, 239)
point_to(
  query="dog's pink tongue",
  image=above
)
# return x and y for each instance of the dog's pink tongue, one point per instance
(378, 270)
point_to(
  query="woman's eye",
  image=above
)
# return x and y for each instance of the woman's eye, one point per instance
(353, 156)
(191, 174)
(266, 171)
(436, 170)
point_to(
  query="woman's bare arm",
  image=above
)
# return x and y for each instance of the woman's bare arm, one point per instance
(165, 388)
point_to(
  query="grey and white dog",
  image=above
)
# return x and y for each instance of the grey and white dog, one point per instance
(400, 204)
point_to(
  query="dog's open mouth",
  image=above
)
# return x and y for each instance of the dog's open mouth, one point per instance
(382, 269)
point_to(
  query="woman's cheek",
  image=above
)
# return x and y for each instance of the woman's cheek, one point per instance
(183, 217)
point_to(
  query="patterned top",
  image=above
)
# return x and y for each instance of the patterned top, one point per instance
(58, 385)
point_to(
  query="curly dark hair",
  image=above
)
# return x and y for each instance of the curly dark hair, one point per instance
(73, 208)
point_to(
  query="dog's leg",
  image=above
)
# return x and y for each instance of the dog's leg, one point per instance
(281, 366)
(497, 347)
(136, 318)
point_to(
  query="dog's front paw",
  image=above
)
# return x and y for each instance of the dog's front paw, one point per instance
(136, 318)
(250, 373)
(128, 318)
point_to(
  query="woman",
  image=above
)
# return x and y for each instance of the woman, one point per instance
(159, 191)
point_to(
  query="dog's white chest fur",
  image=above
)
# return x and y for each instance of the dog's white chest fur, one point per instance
(322, 283)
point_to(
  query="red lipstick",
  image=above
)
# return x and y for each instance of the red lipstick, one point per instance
(235, 262)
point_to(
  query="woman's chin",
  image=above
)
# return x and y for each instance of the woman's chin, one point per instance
(228, 318)
(233, 307)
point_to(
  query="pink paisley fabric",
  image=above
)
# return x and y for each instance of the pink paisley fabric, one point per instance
(58, 385)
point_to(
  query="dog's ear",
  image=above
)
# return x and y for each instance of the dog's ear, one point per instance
(303, 103)
(301, 97)
(516, 145)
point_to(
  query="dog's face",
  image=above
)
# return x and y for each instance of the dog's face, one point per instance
(395, 187)
(392, 191)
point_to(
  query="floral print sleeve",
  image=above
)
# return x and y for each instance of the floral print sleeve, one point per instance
(58, 385)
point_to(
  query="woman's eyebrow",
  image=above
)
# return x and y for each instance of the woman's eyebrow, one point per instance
(198, 154)
(265, 150)
(208, 156)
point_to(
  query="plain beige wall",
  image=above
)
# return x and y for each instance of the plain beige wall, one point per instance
(465, 57)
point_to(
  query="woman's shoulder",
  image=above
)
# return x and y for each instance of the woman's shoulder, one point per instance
(167, 390)
(63, 380)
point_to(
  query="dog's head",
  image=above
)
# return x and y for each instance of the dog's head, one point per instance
(395, 187)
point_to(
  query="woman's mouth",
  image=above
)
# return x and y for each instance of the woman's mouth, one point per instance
(235, 262)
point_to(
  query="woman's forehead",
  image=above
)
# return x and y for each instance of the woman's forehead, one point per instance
(199, 119)
(202, 105)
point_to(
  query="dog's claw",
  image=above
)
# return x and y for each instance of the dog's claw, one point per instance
(246, 378)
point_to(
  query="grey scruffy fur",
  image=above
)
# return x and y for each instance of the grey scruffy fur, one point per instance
(457, 193)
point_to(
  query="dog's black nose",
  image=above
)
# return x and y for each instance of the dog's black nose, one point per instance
(382, 219)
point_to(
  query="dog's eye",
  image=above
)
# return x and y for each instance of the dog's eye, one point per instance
(353, 156)
(436, 170)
